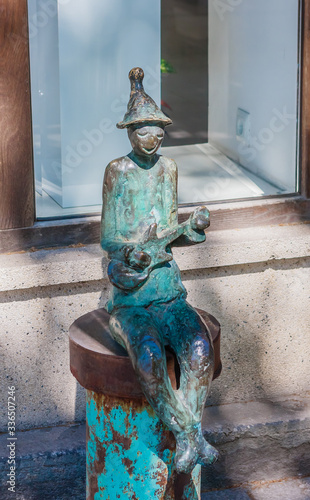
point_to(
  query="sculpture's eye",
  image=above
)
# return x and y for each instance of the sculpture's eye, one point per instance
(142, 134)
(160, 135)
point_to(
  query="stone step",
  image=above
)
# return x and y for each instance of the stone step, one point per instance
(258, 441)
(50, 464)
(286, 489)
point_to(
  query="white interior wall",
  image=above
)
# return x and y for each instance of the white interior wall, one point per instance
(253, 54)
(90, 48)
(44, 67)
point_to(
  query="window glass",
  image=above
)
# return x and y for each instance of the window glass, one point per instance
(225, 71)
(81, 53)
(231, 88)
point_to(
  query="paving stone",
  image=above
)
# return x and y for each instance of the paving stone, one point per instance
(291, 489)
(231, 494)
(50, 464)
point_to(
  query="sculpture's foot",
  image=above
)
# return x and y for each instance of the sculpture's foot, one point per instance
(207, 454)
(185, 456)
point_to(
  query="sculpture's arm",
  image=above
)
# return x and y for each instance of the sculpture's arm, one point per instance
(195, 231)
(126, 269)
(115, 234)
(131, 265)
(126, 265)
(131, 262)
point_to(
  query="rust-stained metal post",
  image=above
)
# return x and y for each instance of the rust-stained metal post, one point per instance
(130, 452)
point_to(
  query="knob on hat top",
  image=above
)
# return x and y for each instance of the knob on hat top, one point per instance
(136, 76)
(141, 107)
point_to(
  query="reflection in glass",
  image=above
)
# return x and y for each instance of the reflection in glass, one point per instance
(229, 81)
(81, 54)
(184, 52)
(232, 92)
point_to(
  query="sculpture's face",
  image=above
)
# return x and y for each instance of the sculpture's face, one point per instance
(146, 139)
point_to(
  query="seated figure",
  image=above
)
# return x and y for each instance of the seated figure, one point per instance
(148, 302)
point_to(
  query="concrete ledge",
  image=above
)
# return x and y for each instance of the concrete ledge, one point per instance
(259, 441)
(221, 249)
(262, 307)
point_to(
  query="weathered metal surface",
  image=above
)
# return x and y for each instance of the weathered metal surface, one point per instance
(141, 106)
(148, 303)
(214, 328)
(100, 364)
(130, 453)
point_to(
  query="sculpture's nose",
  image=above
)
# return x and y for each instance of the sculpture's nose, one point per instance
(152, 141)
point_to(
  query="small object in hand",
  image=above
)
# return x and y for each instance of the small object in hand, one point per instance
(200, 219)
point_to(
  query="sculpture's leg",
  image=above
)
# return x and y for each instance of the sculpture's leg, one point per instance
(191, 341)
(135, 329)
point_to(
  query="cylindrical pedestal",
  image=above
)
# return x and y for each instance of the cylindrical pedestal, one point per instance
(130, 452)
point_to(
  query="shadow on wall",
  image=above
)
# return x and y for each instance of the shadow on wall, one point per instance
(265, 344)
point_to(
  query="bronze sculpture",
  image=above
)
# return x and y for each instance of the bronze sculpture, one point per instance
(148, 304)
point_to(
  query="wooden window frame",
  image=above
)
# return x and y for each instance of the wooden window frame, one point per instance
(18, 229)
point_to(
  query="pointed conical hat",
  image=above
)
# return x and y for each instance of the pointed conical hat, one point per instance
(141, 107)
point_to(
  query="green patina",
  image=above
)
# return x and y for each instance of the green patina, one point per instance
(130, 438)
(148, 301)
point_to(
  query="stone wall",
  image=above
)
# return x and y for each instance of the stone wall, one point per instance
(256, 282)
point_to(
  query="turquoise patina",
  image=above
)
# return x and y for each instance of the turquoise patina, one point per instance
(148, 301)
(129, 453)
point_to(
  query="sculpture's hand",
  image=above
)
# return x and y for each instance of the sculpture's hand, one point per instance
(197, 223)
(138, 259)
(133, 270)
(200, 219)
(130, 272)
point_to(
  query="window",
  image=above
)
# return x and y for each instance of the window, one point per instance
(81, 53)
(16, 201)
(229, 81)
(233, 95)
